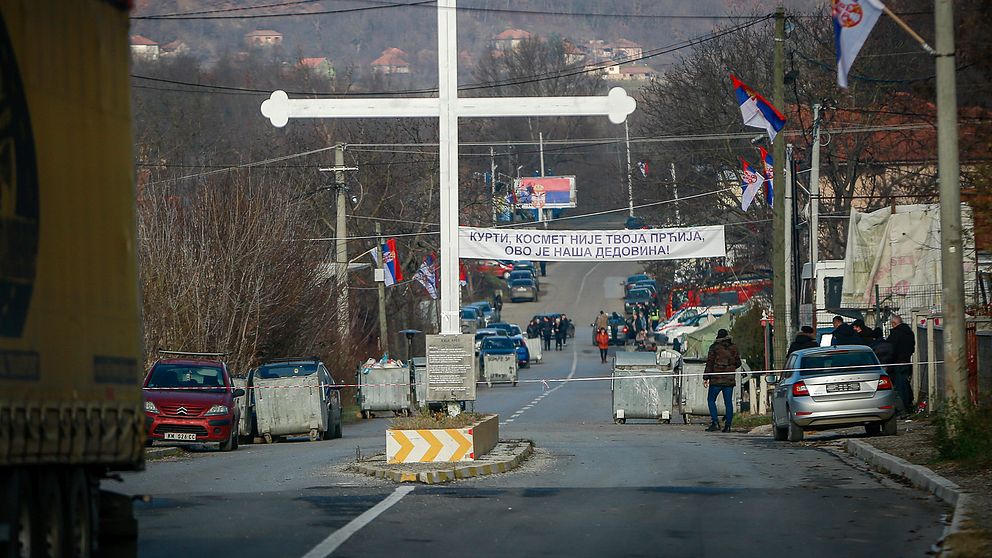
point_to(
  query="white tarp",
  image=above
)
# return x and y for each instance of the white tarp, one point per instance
(900, 252)
(593, 245)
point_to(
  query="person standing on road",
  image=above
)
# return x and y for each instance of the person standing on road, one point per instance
(722, 363)
(904, 345)
(544, 270)
(566, 326)
(602, 321)
(805, 339)
(533, 329)
(559, 334)
(603, 342)
(498, 305)
(547, 330)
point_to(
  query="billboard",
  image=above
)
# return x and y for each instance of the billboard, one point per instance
(545, 192)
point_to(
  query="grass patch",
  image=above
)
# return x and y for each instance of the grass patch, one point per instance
(751, 421)
(426, 420)
(970, 544)
(964, 433)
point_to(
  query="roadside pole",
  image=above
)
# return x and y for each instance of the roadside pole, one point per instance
(630, 183)
(790, 253)
(814, 209)
(541, 214)
(492, 181)
(948, 171)
(383, 332)
(780, 339)
(341, 239)
(675, 194)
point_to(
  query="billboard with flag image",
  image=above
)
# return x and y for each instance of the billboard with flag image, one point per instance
(545, 192)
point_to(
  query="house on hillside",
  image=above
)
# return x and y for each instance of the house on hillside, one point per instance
(510, 39)
(573, 54)
(392, 61)
(263, 38)
(173, 48)
(320, 66)
(630, 72)
(143, 48)
(626, 50)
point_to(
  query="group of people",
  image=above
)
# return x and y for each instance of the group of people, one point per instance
(547, 329)
(894, 351)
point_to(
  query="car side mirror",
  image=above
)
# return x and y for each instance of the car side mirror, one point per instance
(239, 392)
(771, 379)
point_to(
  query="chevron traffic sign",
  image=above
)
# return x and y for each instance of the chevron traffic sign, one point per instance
(427, 446)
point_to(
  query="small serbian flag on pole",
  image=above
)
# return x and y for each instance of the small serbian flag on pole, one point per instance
(853, 21)
(756, 110)
(751, 182)
(766, 158)
(390, 259)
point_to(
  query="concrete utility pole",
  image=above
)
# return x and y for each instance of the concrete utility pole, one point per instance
(786, 325)
(948, 171)
(814, 209)
(492, 181)
(781, 331)
(675, 194)
(383, 332)
(341, 242)
(540, 139)
(630, 183)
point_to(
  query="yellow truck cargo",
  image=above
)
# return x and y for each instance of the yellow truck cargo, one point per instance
(71, 407)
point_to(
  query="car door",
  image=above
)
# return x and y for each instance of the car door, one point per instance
(779, 398)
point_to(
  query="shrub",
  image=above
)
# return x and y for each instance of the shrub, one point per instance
(964, 432)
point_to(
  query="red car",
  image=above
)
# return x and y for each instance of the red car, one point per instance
(495, 268)
(192, 400)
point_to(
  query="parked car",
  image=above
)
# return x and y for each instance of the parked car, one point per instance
(495, 268)
(633, 280)
(510, 329)
(524, 274)
(495, 345)
(192, 400)
(832, 387)
(635, 298)
(484, 333)
(617, 330)
(524, 265)
(523, 353)
(488, 313)
(471, 319)
(523, 289)
(299, 367)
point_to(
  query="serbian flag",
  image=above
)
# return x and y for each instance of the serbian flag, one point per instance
(427, 275)
(853, 21)
(390, 263)
(750, 181)
(766, 158)
(756, 110)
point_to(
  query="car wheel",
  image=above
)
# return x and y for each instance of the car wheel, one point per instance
(50, 512)
(873, 428)
(620, 421)
(337, 429)
(889, 427)
(268, 438)
(18, 510)
(794, 432)
(779, 433)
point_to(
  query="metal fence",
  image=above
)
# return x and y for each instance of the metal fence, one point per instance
(928, 368)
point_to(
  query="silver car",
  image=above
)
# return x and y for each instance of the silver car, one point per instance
(832, 387)
(523, 289)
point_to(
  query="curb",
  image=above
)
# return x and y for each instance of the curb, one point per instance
(923, 479)
(446, 472)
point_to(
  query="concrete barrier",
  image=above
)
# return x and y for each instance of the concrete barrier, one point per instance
(438, 445)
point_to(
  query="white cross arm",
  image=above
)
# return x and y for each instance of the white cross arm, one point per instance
(617, 105)
(279, 108)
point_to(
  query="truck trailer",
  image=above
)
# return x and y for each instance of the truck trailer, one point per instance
(71, 406)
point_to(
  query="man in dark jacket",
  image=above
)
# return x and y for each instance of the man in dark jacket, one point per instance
(903, 346)
(863, 335)
(843, 333)
(547, 332)
(719, 376)
(805, 339)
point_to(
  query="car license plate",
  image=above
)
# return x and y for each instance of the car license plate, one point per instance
(183, 436)
(846, 386)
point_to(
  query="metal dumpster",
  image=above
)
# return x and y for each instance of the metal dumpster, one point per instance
(644, 398)
(693, 393)
(500, 369)
(418, 367)
(291, 407)
(384, 387)
(535, 348)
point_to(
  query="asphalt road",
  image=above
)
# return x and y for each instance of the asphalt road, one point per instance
(593, 488)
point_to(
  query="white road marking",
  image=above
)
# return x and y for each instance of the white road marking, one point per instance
(337, 538)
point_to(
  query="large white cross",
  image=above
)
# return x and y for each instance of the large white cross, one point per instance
(448, 107)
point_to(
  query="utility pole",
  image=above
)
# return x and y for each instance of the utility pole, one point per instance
(814, 209)
(787, 325)
(341, 241)
(492, 181)
(948, 171)
(383, 332)
(781, 331)
(675, 193)
(540, 139)
(630, 183)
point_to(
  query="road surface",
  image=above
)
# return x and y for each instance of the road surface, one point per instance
(593, 488)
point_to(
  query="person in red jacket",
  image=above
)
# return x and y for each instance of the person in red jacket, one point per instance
(603, 342)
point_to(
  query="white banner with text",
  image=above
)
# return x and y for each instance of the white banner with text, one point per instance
(574, 246)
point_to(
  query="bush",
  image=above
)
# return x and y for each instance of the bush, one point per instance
(749, 336)
(964, 432)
